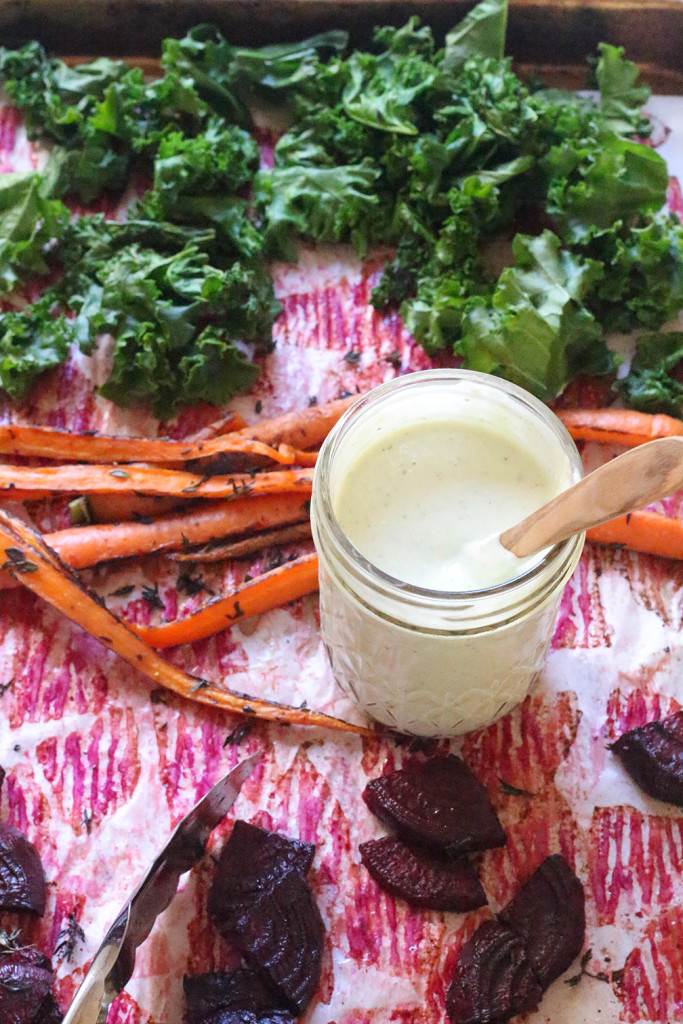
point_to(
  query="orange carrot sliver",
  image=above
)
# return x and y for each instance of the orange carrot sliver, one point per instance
(272, 589)
(39, 569)
(27, 480)
(646, 531)
(618, 426)
(228, 424)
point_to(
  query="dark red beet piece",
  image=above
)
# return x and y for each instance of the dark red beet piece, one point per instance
(261, 902)
(49, 1013)
(25, 983)
(252, 859)
(438, 803)
(281, 933)
(652, 754)
(249, 1017)
(423, 880)
(22, 879)
(494, 978)
(548, 913)
(207, 994)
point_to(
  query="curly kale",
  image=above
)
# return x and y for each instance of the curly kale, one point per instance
(525, 222)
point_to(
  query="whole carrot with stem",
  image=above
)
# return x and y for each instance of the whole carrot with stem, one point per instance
(279, 586)
(30, 561)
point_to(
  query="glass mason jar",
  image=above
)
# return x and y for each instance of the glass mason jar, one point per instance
(431, 662)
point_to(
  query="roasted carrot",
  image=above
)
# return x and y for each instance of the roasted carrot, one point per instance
(304, 428)
(646, 531)
(618, 426)
(81, 546)
(37, 567)
(122, 508)
(272, 589)
(29, 481)
(227, 424)
(218, 552)
(61, 444)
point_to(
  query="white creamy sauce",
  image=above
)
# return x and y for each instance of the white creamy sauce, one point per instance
(415, 500)
(421, 480)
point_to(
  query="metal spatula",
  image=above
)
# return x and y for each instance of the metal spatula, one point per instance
(114, 961)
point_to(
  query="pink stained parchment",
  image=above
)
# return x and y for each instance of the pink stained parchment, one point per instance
(101, 765)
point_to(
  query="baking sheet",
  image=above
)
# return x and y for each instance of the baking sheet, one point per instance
(101, 766)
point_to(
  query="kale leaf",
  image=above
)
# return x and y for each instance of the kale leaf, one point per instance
(482, 32)
(175, 320)
(321, 203)
(385, 91)
(654, 382)
(30, 229)
(536, 331)
(524, 221)
(31, 341)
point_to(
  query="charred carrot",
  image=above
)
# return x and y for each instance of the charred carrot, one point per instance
(30, 481)
(272, 589)
(651, 532)
(618, 426)
(30, 561)
(49, 443)
(218, 552)
(82, 546)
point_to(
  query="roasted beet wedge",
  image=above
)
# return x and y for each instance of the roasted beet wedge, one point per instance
(260, 901)
(25, 983)
(494, 978)
(22, 879)
(49, 1012)
(281, 934)
(251, 861)
(249, 1017)
(207, 994)
(438, 803)
(420, 879)
(548, 913)
(652, 754)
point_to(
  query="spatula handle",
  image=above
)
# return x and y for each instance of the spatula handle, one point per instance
(629, 482)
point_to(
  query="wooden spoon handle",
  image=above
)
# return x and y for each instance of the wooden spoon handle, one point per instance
(627, 483)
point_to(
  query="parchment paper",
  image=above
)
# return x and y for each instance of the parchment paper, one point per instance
(100, 765)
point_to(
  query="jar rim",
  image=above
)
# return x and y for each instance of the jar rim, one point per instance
(392, 587)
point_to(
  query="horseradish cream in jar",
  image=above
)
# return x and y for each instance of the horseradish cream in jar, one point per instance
(430, 624)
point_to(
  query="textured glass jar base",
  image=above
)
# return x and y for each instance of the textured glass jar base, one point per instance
(428, 684)
(427, 661)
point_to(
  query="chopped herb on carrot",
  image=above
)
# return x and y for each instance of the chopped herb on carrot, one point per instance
(272, 589)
